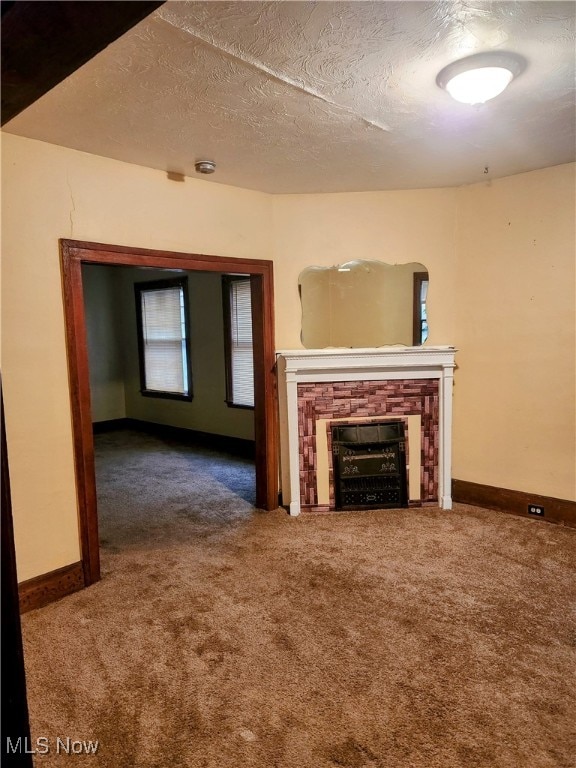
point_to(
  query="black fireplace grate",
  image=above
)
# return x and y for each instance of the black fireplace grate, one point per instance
(369, 462)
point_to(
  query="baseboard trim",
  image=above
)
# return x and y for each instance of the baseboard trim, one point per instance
(559, 511)
(45, 589)
(236, 445)
(110, 425)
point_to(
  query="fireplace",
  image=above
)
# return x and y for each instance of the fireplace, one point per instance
(322, 389)
(369, 462)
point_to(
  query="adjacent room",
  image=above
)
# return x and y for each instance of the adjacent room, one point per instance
(171, 384)
(289, 384)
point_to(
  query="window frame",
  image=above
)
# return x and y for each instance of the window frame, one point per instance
(227, 282)
(156, 285)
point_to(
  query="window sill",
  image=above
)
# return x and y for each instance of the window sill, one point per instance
(230, 404)
(165, 395)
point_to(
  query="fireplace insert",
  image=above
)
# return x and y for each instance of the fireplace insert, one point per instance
(369, 462)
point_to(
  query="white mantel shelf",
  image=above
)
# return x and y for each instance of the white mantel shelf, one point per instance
(343, 361)
(371, 364)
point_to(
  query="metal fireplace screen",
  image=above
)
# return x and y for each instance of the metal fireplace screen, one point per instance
(369, 463)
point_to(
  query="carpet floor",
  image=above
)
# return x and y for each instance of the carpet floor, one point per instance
(225, 637)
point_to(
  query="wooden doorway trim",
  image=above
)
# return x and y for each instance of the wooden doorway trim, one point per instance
(75, 253)
(419, 278)
(43, 45)
(15, 720)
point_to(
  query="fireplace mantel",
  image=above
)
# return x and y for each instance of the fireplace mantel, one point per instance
(371, 364)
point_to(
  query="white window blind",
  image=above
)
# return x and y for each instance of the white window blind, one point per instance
(241, 354)
(164, 340)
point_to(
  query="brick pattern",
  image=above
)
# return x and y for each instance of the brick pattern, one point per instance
(346, 400)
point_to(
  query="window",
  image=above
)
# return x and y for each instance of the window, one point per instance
(238, 341)
(163, 338)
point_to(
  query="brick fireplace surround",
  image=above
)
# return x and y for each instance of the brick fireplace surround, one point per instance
(360, 384)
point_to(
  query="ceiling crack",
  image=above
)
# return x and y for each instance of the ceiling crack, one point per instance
(259, 66)
(72, 208)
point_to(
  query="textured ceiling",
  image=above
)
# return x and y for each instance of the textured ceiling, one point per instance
(321, 96)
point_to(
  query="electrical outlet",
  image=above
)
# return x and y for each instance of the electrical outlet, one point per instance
(535, 509)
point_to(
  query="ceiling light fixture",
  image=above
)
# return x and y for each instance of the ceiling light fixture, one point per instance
(480, 77)
(205, 166)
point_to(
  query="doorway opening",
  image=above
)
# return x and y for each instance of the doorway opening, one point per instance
(73, 255)
(420, 312)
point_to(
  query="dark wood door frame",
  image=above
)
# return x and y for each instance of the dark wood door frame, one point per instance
(43, 44)
(15, 722)
(75, 253)
(418, 279)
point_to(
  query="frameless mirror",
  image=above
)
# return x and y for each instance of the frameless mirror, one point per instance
(364, 304)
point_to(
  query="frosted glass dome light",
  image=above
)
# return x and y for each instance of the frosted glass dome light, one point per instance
(481, 77)
(479, 85)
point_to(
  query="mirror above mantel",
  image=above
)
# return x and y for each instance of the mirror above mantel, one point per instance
(364, 304)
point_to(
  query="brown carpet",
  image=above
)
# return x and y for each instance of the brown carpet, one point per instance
(223, 637)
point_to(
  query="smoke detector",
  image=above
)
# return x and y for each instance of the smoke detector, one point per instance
(205, 166)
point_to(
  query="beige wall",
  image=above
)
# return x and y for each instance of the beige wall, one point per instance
(51, 192)
(514, 420)
(395, 227)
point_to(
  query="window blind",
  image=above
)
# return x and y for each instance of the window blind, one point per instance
(164, 340)
(241, 354)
